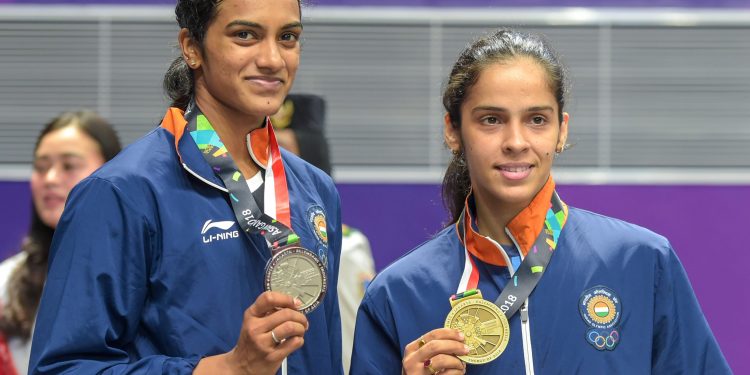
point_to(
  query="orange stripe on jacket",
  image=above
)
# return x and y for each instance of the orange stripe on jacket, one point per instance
(174, 122)
(525, 228)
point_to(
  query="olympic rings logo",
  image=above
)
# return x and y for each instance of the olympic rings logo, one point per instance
(604, 342)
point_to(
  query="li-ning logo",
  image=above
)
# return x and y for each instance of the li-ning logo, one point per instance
(222, 225)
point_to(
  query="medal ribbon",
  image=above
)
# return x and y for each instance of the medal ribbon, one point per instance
(528, 274)
(247, 211)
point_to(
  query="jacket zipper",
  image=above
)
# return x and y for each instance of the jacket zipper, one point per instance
(528, 355)
(524, 310)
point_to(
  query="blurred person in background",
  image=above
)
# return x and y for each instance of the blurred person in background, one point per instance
(300, 128)
(69, 148)
(203, 248)
(521, 282)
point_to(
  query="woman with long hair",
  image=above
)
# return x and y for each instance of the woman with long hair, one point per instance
(520, 282)
(68, 149)
(203, 248)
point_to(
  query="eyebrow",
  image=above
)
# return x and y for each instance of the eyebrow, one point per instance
(67, 155)
(288, 26)
(501, 109)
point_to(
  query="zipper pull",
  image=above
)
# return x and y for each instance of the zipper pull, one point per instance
(524, 313)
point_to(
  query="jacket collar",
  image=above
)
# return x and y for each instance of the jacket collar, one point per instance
(524, 227)
(190, 156)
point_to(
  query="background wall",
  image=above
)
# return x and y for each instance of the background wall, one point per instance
(659, 112)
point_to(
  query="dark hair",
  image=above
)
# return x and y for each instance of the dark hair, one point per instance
(503, 45)
(25, 283)
(195, 16)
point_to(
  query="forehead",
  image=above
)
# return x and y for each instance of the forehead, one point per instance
(67, 140)
(258, 10)
(519, 79)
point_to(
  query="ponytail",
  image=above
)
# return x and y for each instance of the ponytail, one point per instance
(178, 83)
(456, 185)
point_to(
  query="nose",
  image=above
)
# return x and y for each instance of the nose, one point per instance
(515, 138)
(269, 56)
(52, 176)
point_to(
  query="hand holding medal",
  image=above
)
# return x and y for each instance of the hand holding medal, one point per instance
(435, 352)
(272, 328)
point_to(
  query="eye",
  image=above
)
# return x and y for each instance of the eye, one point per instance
(538, 120)
(40, 167)
(69, 167)
(289, 37)
(490, 120)
(244, 35)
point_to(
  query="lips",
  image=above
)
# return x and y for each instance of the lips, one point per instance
(266, 82)
(515, 171)
(53, 200)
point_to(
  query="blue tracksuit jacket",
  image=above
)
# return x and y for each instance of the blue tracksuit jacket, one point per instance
(661, 331)
(141, 283)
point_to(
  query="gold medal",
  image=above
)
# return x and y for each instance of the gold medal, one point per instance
(485, 327)
(298, 272)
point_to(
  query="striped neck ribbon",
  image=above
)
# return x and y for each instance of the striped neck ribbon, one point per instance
(533, 266)
(250, 216)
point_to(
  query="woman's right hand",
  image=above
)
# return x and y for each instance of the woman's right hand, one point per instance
(435, 352)
(272, 329)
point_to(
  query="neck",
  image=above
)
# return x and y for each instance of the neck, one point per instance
(232, 127)
(493, 217)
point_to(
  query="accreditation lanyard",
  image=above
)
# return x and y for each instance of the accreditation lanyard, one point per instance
(247, 211)
(528, 274)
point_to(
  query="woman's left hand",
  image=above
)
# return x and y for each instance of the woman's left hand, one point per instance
(435, 352)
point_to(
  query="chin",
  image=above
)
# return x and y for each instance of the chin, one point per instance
(266, 106)
(517, 194)
(50, 221)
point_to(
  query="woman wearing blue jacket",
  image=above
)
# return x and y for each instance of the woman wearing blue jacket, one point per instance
(521, 282)
(203, 247)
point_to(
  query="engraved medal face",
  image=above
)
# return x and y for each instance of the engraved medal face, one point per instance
(299, 273)
(484, 326)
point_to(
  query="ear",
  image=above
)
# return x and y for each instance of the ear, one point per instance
(190, 49)
(563, 138)
(451, 135)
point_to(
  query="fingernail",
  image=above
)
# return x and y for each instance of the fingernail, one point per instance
(460, 335)
(466, 349)
(297, 302)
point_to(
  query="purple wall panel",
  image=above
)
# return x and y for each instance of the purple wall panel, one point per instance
(703, 223)
(15, 215)
(452, 3)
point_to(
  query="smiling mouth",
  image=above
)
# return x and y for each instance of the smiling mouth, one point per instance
(515, 172)
(52, 201)
(268, 82)
(515, 169)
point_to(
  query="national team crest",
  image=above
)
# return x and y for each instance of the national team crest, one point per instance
(601, 309)
(317, 218)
